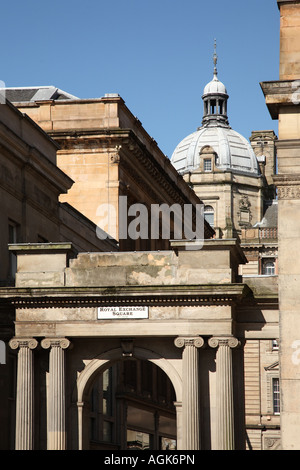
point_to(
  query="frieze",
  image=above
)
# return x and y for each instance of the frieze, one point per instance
(269, 253)
(288, 192)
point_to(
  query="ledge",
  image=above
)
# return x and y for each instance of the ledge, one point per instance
(292, 179)
(41, 248)
(286, 2)
(212, 244)
(279, 93)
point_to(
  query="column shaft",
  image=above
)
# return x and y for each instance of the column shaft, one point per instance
(25, 394)
(56, 399)
(225, 398)
(225, 411)
(190, 395)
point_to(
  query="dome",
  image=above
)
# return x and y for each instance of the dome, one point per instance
(215, 87)
(233, 152)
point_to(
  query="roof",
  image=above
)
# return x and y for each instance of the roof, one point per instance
(270, 218)
(215, 87)
(39, 93)
(234, 152)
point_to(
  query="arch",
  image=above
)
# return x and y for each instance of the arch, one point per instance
(106, 360)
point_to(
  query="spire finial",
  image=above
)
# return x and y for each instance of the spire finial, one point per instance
(215, 57)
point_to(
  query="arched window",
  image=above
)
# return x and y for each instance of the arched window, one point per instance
(269, 267)
(209, 215)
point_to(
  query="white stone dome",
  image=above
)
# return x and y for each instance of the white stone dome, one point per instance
(234, 152)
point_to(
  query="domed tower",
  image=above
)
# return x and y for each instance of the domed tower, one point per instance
(215, 100)
(221, 166)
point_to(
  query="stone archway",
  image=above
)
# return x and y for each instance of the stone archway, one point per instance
(105, 360)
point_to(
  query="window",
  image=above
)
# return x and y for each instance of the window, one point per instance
(167, 444)
(147, 379)
(130, 376)
(137, 440)
(275, 345)
(209, 215)
(107, 392)
(207, 164)
(276, 396)
(268, 267)
(102, 412)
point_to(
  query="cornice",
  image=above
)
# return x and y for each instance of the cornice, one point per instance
(287, 179)
(280, 93)
(126, 295)
(125, 144)
(33, 159)
(287, 2)
(134, 147)
(288, 144)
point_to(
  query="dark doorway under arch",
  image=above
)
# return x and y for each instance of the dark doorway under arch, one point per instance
(132, 407)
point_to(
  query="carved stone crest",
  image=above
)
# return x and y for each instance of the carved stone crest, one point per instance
(244, 213)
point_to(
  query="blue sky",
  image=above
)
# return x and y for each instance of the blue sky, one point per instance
(157, 54)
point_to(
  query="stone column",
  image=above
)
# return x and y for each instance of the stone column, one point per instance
(80, 406)
(25, 393)
(56, 414)
(225, 412)
(190, 395)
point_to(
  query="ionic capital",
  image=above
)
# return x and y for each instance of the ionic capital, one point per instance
(29, 343)
(230, 342)
(182, 342)
(62, 343)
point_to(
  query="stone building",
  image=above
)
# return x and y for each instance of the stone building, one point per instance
(104, 148)
(176, 348)
(34, 210)
(282, 100)
(120, 339)
(155, 358)
(30, 186)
